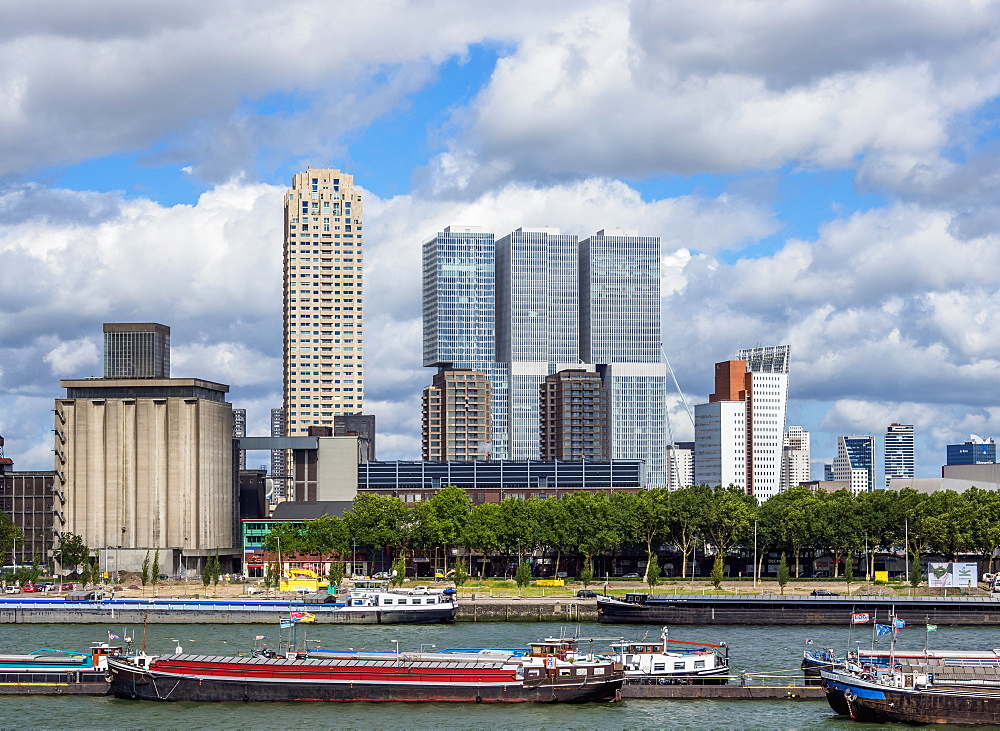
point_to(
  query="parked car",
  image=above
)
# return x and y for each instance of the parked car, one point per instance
(12, 590)
(631, 576)
(823, 592)
(29, 588)
(562, 575)
(586, 594)
(381, 575)
(68, 586)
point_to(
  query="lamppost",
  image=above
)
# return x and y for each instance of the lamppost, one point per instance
(755, 553)
(117, 570)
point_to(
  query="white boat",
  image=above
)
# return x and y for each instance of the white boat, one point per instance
(373, 603)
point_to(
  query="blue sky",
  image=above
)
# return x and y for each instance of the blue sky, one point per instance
(820, 176)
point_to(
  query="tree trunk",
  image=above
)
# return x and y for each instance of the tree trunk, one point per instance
(555, 574)
(684, 562)
(796, 551)
(836, 564)
(870, 568)
(649, 553)
(760, 565)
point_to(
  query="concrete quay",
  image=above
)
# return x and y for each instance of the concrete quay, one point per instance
(528, 609)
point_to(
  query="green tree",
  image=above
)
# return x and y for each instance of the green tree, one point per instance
(791, 519)
(688, 508)
(645, 518)
(85, 572)
(144, 576)
(522, 577)
(849, 571)
(155, 573)
(653, 571)
(783, 572)
(882, 524)
(398, 573)
(518, 528)
(461, 574)
(586, 576)
(71, 552)
(717, 568)
(595, 526)
(216, 569)
(551, 529)
(482, 530)
(206, 572)
(729, 517)
(915, 572)
(336, 573)
(840, 528)
(948, 522)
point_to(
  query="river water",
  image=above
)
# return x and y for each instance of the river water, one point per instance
(752, 649)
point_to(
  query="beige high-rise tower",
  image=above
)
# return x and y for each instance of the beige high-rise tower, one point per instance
(323, 301)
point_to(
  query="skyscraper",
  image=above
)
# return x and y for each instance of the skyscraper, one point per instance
(556, 303)
(136, 350)
(795, 458)
(739, 433)
(323, 300)
(899, 457)
(680, 465)
(620, 331)
(855, 462)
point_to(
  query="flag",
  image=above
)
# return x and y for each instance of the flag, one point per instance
(307, 617)
(882, 629)
(113, 637)
(809, 642)
(931, 627)
(286, 623)
(860, 618)
(898, 623)
(296, 616)
(260, 637)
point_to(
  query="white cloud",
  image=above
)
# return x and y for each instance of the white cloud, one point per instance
(68, 358)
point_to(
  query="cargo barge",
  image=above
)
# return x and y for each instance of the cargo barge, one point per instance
(793, 610)
(57, 672)
(365, 676)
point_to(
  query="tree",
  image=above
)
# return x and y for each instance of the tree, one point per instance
(551, 528)
(155, 576)
(144, 577)
(790, 518)
(377, 520)
(717, 571)
(336, 573)
(729, 517)
(645, 518)
(686, 519)
(782, 572)
(461, 574)
(85, 572)
(840, 528)
(443, 518)
(522, 577)
(594, 526)
(849, 572)
(653, 572)
(881, 519)
(216, 570)
(586, 576)
(398, 574)
(915, 573)
(206, 572)
(482, 530)
(72, 551)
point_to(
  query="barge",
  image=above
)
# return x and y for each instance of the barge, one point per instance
(57, 672)
(366, 676)
(793, 610)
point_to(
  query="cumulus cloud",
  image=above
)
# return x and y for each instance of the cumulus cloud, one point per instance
(68, 358)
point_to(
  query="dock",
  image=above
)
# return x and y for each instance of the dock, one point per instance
(724, 692)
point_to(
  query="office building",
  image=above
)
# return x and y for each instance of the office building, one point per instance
(795, 458)
(33, 504)
(278, 455)
(136, 350)
(899, 457)
(361, 426)
(323, 300)
(855, 462)
(828, 471)
(573, 416)
(975, 451)
(456, 416)
(553, 303)
(739, 433)
(680, 465)
(240, 430)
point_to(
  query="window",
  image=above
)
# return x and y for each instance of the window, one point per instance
(565, 672)
(698, 664)
(678, 666)
(581, 671)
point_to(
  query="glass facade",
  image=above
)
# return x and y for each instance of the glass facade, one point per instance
(855, 462)
(899, 454)
(620, 299)
(136, 350)
(500, 473)
(972, 453)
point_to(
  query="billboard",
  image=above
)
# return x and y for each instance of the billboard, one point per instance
(952, 574)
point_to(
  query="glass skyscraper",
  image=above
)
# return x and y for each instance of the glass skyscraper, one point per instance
(855, 462)
(537, 302)
(899, 453)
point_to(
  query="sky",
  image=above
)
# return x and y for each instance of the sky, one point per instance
(821, 174)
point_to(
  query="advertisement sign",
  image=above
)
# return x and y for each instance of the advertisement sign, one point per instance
(952, 574)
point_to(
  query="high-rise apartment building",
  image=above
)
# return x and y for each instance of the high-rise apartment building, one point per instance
(554, 303)
(456, 416)
(240, 430)
(277, 455)
(795, 458)
(680, 465)
(323, 300)
(573, 416)
(975, 451)
(899, 456)
(136, 350)
(739, 433)
(855, 462)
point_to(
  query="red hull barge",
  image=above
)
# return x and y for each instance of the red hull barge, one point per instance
(365, 677)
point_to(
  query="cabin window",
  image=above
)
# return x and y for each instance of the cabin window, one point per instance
(659, 667)
(699, 664)
(598, 671)
(565, 672)
(387, 600)
(678, 666)
(581, 671)
(401, 601)
(534, 673)
(431, 600)
(414, 601)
